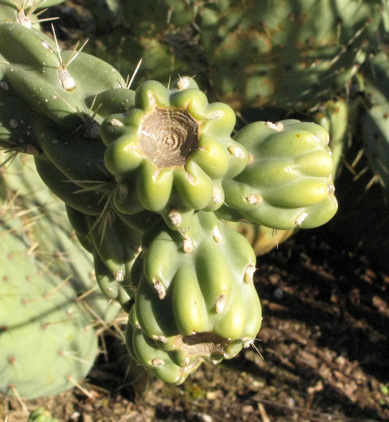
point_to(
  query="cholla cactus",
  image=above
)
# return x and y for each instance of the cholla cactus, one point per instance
(147, 177)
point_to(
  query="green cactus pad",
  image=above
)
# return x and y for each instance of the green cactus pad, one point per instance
(172, 150)
(288, 181)
(56, 245)
(39, 311)
(57, 83)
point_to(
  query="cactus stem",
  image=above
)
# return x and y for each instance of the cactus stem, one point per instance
(190, 178)
(56, 288)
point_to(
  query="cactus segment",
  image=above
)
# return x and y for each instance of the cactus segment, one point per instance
(173, 149)
(61, 150)
(282, 55)
(55, 245)
(114, 246)
(38, 308)
(17, 121)
(376, 123)
(87, 202)
(288, 180)
(195, 303)
(334, 117)
(56, 83)
(24, 47)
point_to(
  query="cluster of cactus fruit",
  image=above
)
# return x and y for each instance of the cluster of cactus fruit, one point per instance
(155, 181)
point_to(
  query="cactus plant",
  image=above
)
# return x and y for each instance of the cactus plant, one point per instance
(147, 176)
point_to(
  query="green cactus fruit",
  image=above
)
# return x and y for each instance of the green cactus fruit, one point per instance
(39, 311)
(281, 53)
(287, 183)
(60, 84)
(172, 151)
(159, 362)
(114, 100)
(196, 298)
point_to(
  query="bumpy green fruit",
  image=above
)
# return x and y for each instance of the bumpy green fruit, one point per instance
(288, 180)
(159, 362)
(172, 151)
(195, 300)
